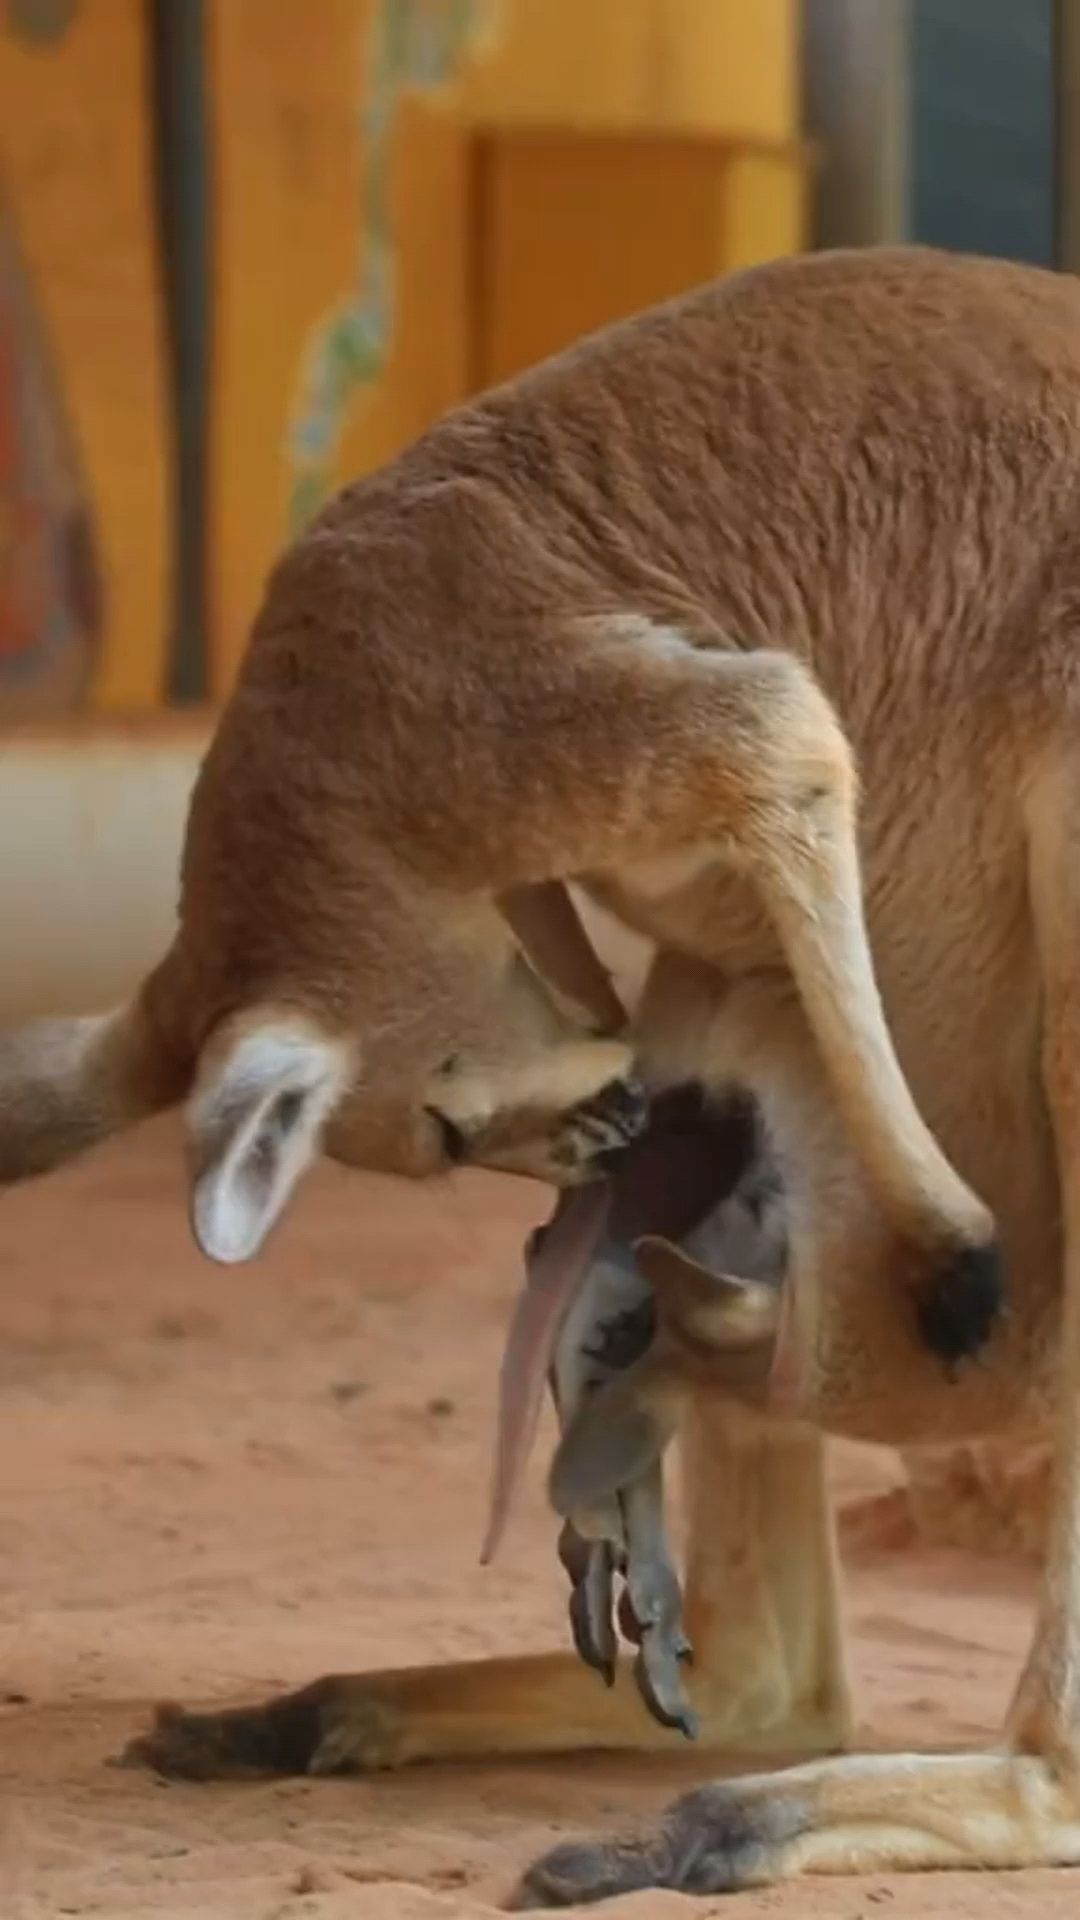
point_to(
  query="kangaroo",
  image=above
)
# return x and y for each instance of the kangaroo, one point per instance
(637, 620)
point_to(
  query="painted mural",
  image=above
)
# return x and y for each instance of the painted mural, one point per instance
(50, 601)
(40, 20)
(412, 46)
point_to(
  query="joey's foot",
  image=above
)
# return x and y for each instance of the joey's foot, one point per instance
(637, 1591)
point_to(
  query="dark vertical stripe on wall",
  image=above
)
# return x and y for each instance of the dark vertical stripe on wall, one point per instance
(176, 35)
(983, 134)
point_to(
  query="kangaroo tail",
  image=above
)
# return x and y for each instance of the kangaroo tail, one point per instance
(67, 1083)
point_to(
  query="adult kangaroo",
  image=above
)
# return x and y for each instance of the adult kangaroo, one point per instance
(641, 619)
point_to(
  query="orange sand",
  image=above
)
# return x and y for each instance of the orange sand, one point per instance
(215, 1483)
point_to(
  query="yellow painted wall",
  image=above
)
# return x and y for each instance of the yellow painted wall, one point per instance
(688, 66)
(576, 230)
(766, 196)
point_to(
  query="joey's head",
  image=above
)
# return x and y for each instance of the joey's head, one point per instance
(496, 1050)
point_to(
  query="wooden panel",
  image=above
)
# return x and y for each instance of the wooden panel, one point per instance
(575, 231)
(76, 176)
(718, 66)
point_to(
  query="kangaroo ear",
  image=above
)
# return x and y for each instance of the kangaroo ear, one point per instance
(256, 1119)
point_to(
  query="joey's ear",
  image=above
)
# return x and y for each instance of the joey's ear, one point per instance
(262, 1098)
(726, 1311)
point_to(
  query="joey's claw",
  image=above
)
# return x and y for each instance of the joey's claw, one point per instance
(631, 1629)
(591, 1613)
(648, 1610)
(656, 1671)
(629, 1624)
(653, 1600)
(590, 1565)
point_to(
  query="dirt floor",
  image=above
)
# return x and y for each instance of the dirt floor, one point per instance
(215, 1483)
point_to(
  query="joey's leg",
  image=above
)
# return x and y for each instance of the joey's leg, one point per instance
(766, 1677)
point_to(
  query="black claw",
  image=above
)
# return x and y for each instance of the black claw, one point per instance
(656, 1671)
(677, 1714)
(959, 1309)
(591, 1613)
(629, 1624)
(653, 1601)
(590, 1568)
(573, 1552)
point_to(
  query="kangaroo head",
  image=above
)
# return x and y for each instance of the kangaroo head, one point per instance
(498, 1052)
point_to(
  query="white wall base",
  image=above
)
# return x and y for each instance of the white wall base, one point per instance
(91, 824)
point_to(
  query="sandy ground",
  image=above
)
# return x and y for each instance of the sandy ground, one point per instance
(212, 1484)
